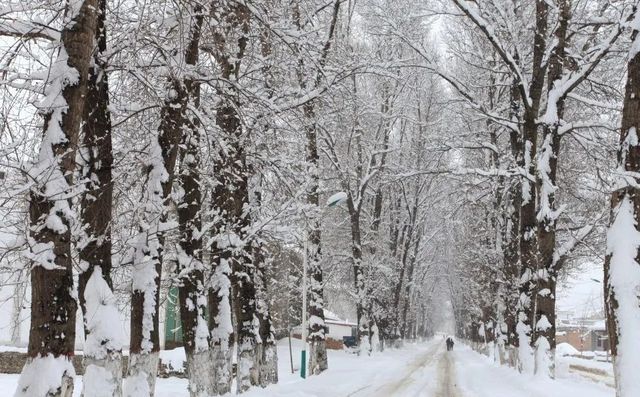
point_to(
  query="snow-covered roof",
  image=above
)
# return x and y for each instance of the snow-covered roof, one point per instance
(599, 325)
(592, 324)
(329, 315)
(332, 318)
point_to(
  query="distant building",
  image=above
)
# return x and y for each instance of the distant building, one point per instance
(337, 329)
(584, 334)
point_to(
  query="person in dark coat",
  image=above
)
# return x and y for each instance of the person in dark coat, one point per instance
(449, 344)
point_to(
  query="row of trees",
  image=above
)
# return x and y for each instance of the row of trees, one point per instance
(189, 144)
(540, 82)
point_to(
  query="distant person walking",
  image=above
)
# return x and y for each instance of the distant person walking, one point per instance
(449, 344)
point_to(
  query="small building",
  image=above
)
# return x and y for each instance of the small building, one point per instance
(338, 328)
(584, 334)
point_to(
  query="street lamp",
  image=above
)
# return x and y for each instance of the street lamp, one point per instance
(332, 201)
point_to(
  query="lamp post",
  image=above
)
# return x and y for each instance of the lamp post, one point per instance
(333, 201)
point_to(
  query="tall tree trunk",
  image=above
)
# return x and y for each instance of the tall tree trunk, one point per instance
(362, 314)
(511, 250)
(192, 292)
(243, 269)
(53, 306)
(191, 287)
(544, 332)
(103, 343)
(405, 242)
(149, 245)
(622, 264)
(18, 301)
(511, 246)
(233, 21)
(528, 221)
(318, 360)
(409, 284)
(267, 349)
(220, 322)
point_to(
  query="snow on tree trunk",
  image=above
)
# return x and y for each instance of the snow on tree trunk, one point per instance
(363, 319)
(318, 361)
(103, 343)
(220, 326)
(46, 376)
(528, 244)
(235, 248)
(529, 255)
(192, 294)
(246, 320)
(232, 198)
(149, 244)
(622, 267)
(266, 351)
(48, 370)
(544, 332)
(623, 284)
(141, 376)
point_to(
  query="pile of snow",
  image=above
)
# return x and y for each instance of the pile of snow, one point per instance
(479, 376)
(565, 349)
(43, 376)
(174, 359)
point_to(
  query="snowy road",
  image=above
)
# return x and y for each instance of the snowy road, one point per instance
(447, 386)
(411, 384)
(431, 374)
(415, 370)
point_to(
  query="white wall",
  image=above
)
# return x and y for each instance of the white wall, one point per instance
(337, 331)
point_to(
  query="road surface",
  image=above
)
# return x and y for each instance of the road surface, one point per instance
(431, 374)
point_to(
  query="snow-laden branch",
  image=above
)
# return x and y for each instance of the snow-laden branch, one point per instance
(488, 30)
(493, 172)
(457, 85)
(565, 249)
(28, 30)
(566, 84)
(591, 102)
(567, 128)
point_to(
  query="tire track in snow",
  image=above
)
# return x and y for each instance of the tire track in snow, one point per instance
(447, 386)
(416, 383)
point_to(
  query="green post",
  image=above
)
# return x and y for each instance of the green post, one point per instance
(303, 364)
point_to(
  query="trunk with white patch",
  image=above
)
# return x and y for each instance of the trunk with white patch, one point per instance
(48, 371)
(622, 264)
(149, 244)
(141, 376)
(103, 342)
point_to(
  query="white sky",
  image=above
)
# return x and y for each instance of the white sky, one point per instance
(582, 293)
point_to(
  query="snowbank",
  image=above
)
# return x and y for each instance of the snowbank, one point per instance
(565, 349)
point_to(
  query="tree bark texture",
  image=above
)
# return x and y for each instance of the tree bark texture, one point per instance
(103, 345)
(53, 307)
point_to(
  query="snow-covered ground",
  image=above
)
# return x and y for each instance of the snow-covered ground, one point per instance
(594, 366)
(479, 376)
(420, 369)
